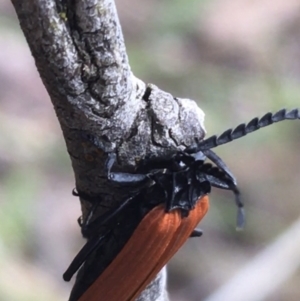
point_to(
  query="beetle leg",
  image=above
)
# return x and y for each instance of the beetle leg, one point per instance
(170, 200)
(229, 185)
(122, 177)
(80, 258)
(127, 178)
(220, 163)
(197, 233)
(87, 221)
(94, 242)
(83, 224)
(108, 216)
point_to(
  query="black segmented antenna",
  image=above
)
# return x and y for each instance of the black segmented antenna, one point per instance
(243, 129)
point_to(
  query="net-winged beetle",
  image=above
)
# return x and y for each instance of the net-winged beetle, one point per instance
(181, 184)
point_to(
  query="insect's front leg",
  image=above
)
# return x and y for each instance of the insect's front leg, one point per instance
(123, 177)
(228, 184)
(89, 227)
(91, 245)
(220, 164)
(197, 233)
(89, 230)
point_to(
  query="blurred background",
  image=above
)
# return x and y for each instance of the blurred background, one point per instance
(238, 59)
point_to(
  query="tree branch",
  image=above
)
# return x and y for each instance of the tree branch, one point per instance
(80, 54)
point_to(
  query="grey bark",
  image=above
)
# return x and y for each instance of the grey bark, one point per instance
(80, 54)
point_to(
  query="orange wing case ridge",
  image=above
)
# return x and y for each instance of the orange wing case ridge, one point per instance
(154, 242)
